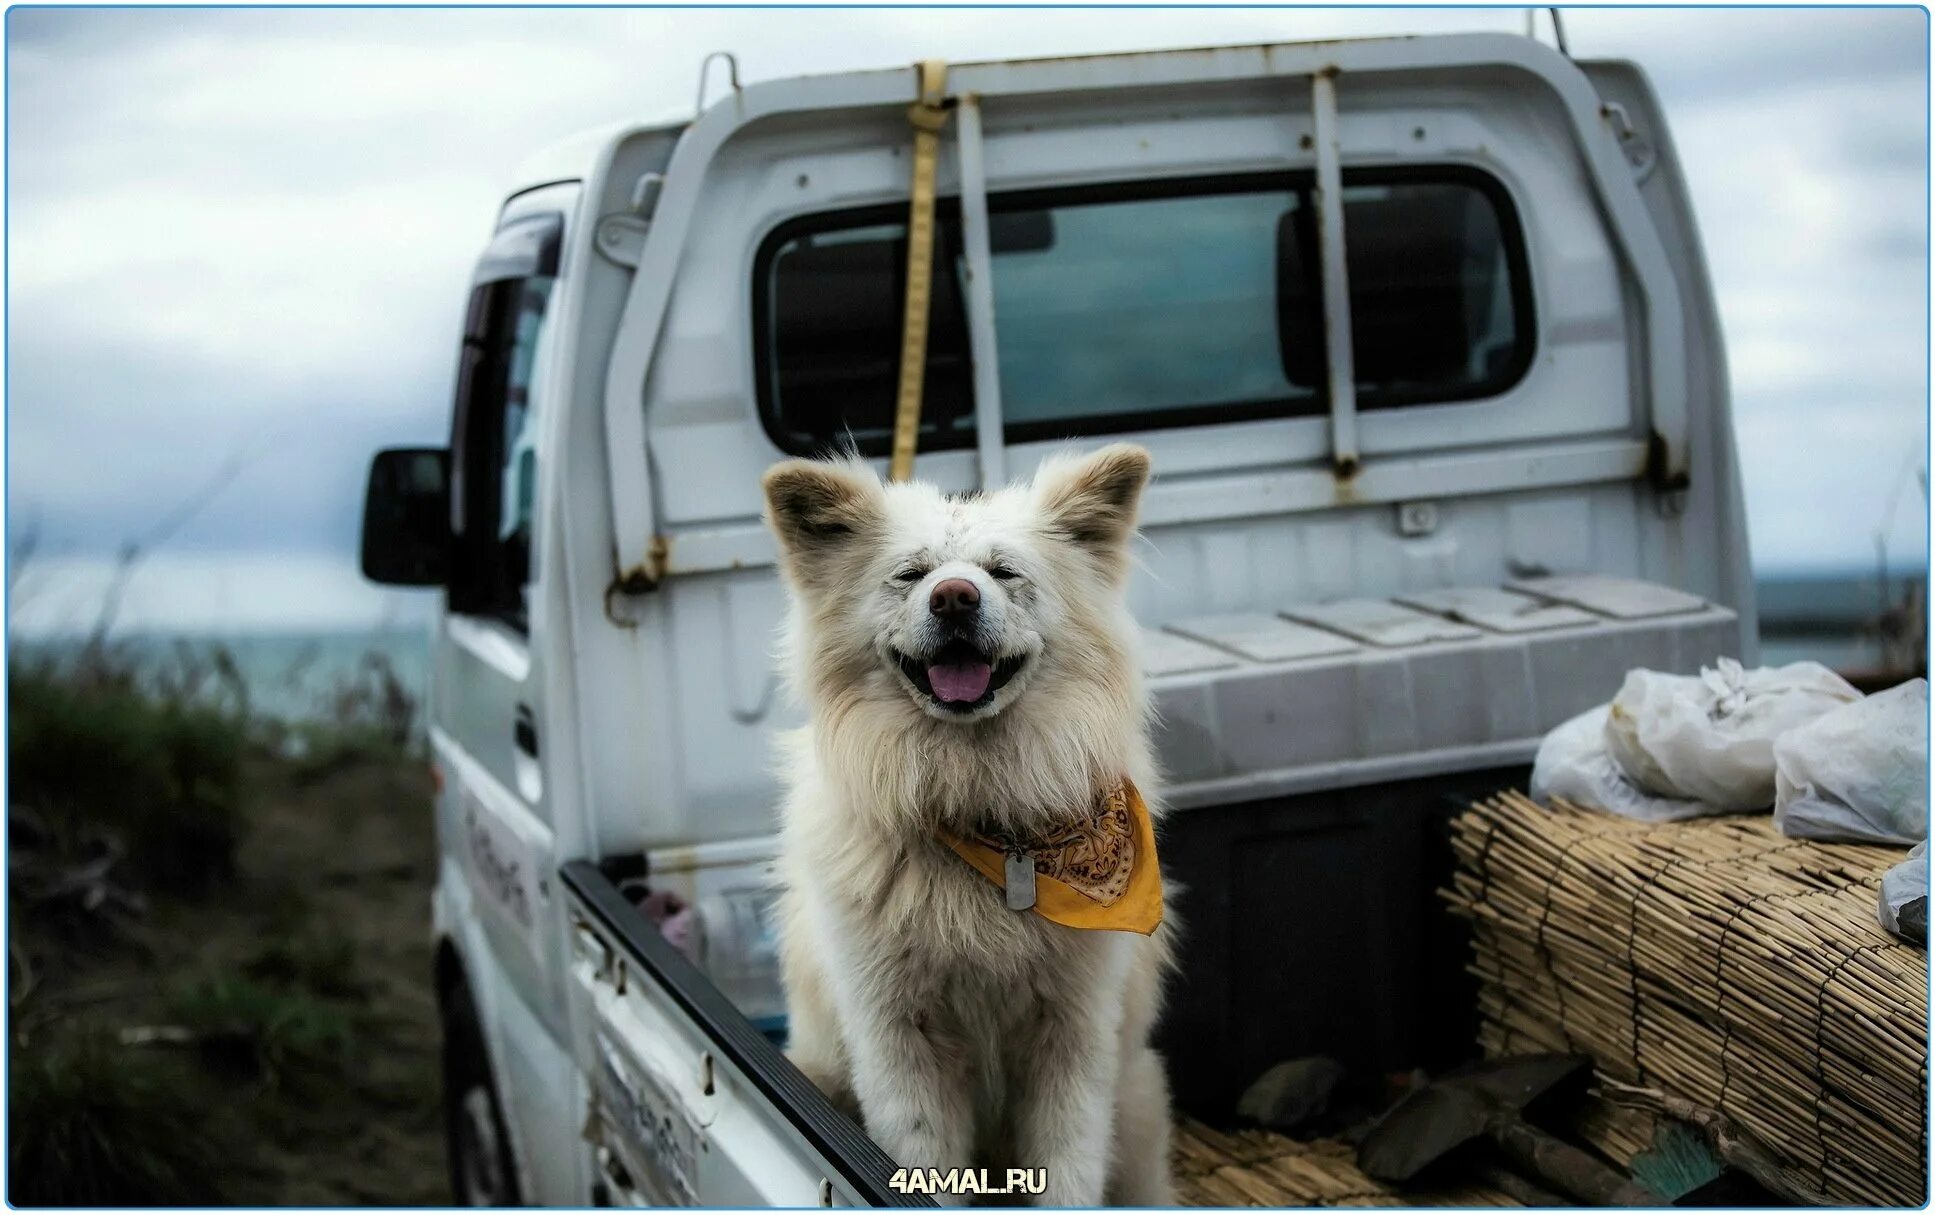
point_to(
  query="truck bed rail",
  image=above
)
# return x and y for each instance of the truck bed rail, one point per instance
(845, 1146)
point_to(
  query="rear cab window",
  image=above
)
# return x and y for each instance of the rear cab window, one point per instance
(1144, 306)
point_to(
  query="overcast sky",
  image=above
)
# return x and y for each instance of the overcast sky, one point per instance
(241, 238)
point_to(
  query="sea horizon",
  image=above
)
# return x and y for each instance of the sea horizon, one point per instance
(291, 673)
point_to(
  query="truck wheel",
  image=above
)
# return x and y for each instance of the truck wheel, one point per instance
(482, 1173)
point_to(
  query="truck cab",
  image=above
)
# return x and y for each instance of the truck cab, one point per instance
(1419, 335)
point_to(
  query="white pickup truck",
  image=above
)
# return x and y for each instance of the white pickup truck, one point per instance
(1421, 339)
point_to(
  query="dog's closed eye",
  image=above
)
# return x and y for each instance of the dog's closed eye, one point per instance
(909, 575)
(1004, 573)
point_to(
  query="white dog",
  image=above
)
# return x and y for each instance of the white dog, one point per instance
(970, 670)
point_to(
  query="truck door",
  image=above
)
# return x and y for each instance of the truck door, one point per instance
(495, 813)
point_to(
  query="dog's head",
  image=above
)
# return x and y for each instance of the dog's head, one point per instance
(963, 609)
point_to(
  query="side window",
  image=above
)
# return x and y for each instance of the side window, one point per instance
(494, 456)
(1148, 305)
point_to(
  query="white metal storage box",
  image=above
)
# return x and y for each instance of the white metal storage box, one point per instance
(1354, 691)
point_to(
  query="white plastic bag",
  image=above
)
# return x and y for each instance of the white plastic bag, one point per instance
(1901, 887)
(1573, 763)
(1858, 773)
(1710, 737)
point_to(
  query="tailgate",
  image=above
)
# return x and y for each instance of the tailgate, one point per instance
(690, 1105)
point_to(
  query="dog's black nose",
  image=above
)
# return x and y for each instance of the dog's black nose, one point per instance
(954, 599)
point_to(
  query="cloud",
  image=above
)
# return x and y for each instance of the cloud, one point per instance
(1823, 487)
(1704, 55)
(248, 231)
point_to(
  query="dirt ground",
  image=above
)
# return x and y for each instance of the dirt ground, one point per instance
(334, 1099)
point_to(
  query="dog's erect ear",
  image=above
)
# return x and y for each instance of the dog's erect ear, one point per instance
(1092, 499)
(813, 505)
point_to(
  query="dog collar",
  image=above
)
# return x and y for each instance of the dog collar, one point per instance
(1099, 873)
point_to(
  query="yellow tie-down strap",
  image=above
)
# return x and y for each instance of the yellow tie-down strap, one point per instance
(928, 116)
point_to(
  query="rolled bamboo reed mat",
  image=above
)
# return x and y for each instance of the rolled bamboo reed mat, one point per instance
(1257, 1168)
(1715, 960)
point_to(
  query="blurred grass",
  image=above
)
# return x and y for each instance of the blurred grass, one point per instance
(314, 959)
(94, 753)
(92, 1124)
(281, 869)
(280, 1037)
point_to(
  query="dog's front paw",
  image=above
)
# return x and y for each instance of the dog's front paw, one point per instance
(831, 1080)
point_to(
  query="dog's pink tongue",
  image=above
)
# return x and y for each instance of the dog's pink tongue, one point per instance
(958, 682)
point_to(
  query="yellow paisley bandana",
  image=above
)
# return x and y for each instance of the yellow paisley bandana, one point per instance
(1098, 873)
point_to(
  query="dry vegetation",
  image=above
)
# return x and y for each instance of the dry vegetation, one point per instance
(1715, 970)
(219, 960)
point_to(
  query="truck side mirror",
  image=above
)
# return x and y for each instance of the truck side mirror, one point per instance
(406, 517)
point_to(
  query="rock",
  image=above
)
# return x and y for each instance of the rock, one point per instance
(1292, 1093)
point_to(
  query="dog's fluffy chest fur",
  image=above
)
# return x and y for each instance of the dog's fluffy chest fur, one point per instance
(918, 960)
(951, 918)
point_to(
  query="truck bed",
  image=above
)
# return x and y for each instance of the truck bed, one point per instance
(1212, 1168)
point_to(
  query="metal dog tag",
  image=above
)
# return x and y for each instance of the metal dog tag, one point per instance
(1020, 881)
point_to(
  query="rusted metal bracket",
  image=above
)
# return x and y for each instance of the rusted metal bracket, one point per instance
(1668, 483)
(638, 580)
(1659, 468)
